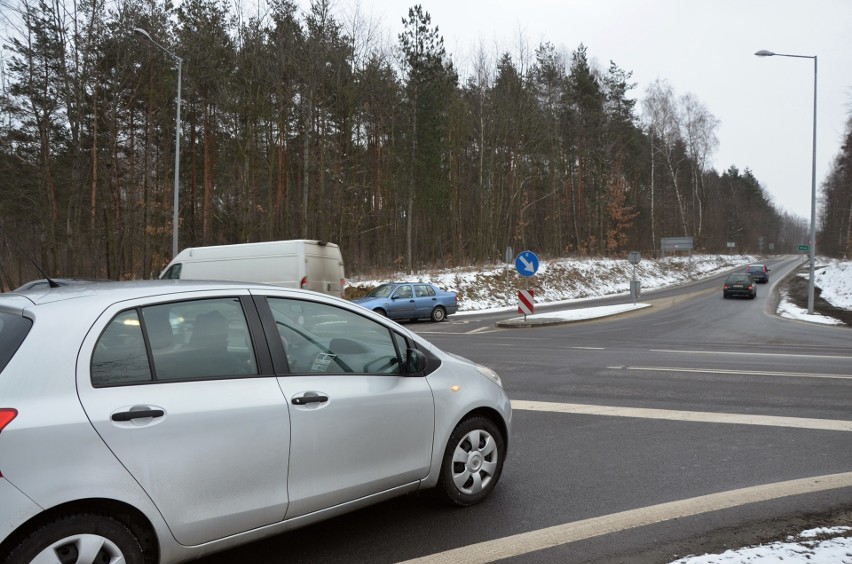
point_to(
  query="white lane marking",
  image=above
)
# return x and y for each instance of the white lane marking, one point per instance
(589, 348)
(721, 371)
(784, 355)
(532, 541)
(688, 416)
(481, 330)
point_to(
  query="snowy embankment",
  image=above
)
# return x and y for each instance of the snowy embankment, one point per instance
(496, 286)
(834, 279)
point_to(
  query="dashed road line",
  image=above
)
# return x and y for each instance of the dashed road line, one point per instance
(734, 372)
(783, 355)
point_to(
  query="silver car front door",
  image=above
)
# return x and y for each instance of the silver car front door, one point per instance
(205, 434)
(359, 425)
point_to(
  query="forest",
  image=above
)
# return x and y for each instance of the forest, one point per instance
(300, 125)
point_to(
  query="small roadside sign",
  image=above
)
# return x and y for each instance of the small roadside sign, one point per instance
(525, 301)
(526, 263)
(804, 247)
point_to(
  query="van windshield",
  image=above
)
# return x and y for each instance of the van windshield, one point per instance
(173, 273)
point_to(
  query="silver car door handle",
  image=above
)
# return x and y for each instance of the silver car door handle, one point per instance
(141, 414)
(304, 400)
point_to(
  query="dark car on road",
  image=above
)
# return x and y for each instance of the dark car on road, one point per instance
(759, 272)
(739, 284)
(410, 300)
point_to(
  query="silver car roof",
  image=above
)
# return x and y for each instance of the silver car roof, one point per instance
(119, 291)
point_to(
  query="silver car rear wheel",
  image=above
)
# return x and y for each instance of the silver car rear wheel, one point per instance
(80, 539)
(473, 461)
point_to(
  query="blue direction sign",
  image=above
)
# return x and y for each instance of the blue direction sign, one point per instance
(526, 263)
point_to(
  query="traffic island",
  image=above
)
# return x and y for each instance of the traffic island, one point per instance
(567, 316)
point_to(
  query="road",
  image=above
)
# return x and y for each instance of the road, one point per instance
(695, 424)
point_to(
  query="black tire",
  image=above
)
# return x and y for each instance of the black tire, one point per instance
(85, 538)
(473, 461)
(380, 311)
(439, 314)
(724, 296)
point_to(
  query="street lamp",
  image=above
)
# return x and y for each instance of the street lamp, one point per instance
(812, 246)
(175, 221)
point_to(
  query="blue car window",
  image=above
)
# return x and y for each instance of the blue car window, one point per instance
(403, 292)
(424, 290)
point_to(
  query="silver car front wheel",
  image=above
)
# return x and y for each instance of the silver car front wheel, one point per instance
(472, 461)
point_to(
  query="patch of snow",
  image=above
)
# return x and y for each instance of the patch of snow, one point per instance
(801, 549)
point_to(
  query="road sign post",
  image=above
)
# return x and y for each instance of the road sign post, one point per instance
(634, 258)
(509, 255)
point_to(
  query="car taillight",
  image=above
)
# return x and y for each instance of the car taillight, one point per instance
(726, 287)
(342, 284)
(6, 416)
(304, 282)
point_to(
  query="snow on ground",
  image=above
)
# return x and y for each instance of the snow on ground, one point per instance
(834, 279)
(815, 546)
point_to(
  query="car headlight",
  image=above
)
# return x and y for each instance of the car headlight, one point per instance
(490, 374)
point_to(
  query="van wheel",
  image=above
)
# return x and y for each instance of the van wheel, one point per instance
(80, 538)
(439, 314)
(380, 311)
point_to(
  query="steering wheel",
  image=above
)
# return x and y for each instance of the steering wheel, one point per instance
(387, 368)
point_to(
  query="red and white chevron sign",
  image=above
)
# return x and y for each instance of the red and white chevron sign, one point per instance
(525, 301)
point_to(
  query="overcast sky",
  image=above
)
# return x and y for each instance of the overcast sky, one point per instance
(703, 47)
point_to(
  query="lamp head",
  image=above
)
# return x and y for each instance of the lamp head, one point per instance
(764, 53)
(141, 31)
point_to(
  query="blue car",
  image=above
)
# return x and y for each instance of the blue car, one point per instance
(410, 300)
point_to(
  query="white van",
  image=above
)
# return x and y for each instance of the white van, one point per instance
(312, 265)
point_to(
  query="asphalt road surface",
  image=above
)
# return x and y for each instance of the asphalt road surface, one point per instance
(694, 425)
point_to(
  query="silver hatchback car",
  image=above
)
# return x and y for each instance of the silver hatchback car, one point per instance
(159, 421)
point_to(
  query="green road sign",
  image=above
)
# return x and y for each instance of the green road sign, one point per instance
(804, 247)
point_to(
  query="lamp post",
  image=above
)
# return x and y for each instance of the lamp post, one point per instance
(176, 207)
(812, 242)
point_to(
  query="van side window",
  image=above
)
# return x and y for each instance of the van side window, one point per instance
(173, 273)
(321, 338)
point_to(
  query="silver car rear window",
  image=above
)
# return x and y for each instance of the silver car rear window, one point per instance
(13, 331)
